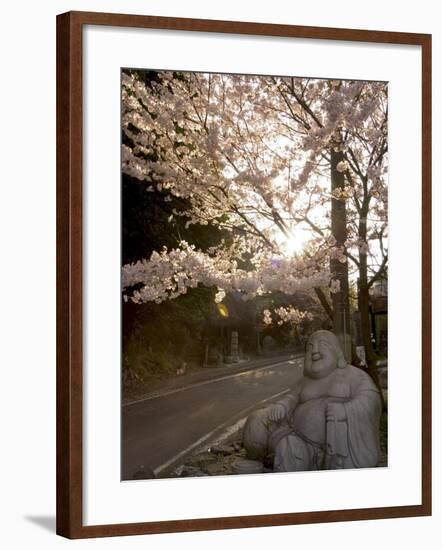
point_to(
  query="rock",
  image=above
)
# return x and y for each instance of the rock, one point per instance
(214, 461)
(204, 460)
(243, 466)
(192, 471)
(214, 468)
(222, 449)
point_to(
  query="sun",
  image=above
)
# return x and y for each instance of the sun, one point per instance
(295, 242)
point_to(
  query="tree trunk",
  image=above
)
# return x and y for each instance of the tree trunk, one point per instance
(364, 304)
(339, 270)
(364, 308)
(324, 302)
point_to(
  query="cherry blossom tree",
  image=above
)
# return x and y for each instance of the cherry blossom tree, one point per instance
(351, 120)
(294, 169)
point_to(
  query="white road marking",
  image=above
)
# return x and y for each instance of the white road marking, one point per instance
(229, 430)
(205, 382)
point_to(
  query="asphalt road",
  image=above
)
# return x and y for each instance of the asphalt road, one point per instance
(157, 432)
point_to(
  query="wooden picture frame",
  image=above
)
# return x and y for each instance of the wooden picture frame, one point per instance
(70, 273)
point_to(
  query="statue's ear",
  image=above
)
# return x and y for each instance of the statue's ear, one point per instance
(342, 363)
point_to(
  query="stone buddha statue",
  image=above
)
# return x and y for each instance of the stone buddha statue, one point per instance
(329, 420)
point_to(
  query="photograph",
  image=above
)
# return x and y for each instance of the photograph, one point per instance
(219, 241)
(254, 274)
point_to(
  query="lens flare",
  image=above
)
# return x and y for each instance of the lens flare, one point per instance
(223, 310)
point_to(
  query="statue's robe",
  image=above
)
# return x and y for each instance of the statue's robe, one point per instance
(363, 412)
(305, 440)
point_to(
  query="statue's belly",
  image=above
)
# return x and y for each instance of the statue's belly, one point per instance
(309, 419)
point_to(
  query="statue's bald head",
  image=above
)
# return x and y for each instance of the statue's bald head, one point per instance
(328, 336)
(323, 354)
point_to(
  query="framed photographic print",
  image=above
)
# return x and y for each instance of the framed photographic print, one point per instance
(243, 274)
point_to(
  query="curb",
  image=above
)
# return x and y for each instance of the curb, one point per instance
(202, 377)
(216, 437)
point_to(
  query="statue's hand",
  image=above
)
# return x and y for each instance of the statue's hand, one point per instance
(335, 412)
(277, 412)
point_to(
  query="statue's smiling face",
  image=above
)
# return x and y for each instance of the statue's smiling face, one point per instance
(321, 356)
